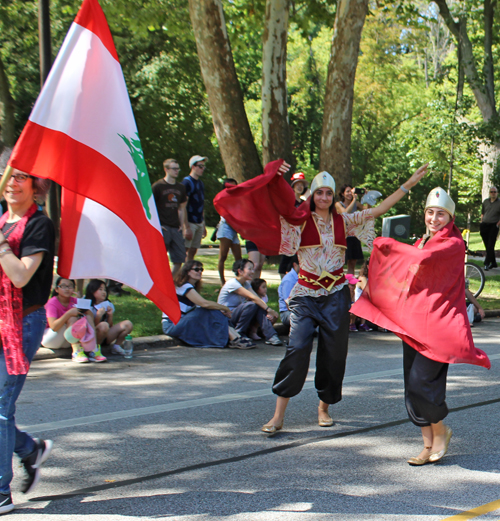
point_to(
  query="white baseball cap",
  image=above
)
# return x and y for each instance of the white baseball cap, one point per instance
(196, 159)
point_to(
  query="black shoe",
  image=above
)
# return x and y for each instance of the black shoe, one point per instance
(32, 464)
(6, 504)
(486, 267)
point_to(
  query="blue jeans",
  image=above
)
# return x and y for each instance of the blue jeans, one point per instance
(11, 438)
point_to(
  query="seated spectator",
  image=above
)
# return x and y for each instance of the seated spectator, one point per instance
(228, 239)
(203, 323)
(107, 332)
(285, 288)
(61, 314)
(246, 306)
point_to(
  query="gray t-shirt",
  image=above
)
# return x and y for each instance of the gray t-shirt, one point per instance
(227, 295)
(491, 211)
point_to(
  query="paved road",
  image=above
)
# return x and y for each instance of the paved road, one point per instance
(174, 434)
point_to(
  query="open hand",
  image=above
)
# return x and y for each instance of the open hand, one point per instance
(417, 176)
(283, 169)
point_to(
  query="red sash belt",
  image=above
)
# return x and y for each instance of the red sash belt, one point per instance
(325, 280)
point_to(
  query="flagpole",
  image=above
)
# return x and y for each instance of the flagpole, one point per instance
(5, 178)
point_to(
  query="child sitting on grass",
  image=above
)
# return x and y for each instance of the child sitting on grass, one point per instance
(107, 332)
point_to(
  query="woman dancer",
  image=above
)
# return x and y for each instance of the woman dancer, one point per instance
(26, 262)
(321, 298)
(418, 293)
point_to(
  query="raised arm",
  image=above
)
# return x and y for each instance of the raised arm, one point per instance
(390, 201)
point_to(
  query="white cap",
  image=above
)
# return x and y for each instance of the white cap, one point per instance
(438, 198)
(323, 180)
(196, 159)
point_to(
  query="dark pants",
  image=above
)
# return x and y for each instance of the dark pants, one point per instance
(331, 314)
(489, 233)
(246, 314)
(425, 387)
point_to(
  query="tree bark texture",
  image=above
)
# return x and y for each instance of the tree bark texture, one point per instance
(490, 155)
(335, 155)
(225, 97)
(7, 111)
(276, 142)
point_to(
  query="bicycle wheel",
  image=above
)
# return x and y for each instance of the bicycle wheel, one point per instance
(474, 275)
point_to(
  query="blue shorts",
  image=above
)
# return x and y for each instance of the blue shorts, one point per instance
(226, 232)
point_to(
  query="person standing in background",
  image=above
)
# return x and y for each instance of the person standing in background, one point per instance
(195, 191)
(490, 221)
(170, 198)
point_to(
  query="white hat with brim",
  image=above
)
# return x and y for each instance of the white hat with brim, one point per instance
(196, 159)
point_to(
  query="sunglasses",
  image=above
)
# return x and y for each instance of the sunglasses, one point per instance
(198, 269)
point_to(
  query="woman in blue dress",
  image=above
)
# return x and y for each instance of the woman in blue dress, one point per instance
(203, 323)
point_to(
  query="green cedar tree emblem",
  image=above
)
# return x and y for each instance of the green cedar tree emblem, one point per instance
(142, 182)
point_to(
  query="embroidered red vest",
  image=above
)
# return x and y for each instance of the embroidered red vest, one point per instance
(311, 238)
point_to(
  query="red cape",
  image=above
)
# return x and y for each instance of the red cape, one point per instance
(254, 207)
(419, 294)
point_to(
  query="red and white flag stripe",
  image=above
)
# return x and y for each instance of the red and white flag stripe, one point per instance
(82, 134)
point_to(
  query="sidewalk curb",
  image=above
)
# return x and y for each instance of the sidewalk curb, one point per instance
(140, 344)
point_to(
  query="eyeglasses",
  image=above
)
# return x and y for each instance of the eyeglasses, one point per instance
(198, 269)
(65, 286)
(19, 178)
(200, 166)
(493, 191)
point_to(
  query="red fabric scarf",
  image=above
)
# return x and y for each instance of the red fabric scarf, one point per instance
(11, 305)
(419, 294)
(254, 207)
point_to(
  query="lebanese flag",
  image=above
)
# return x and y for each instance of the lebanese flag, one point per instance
(82, 134)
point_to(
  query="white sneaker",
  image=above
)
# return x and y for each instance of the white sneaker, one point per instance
(117, 350)
(274, 341)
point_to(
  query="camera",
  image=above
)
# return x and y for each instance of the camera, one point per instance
(359, 191)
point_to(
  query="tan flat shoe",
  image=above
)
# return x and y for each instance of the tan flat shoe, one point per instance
(436, 456)
(417, 462)
(325, 423)
(269, 428)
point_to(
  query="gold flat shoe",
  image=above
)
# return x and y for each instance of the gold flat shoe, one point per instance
(269, 428)
(325, 423)
(436, 456)
(416, 462)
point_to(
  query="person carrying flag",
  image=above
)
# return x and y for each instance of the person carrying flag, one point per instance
(27, 241)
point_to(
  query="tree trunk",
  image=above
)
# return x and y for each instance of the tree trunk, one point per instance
(335, 155)
(225, 98)
(484, 91)
(275, 129)
(490, 155)
(7, 110)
